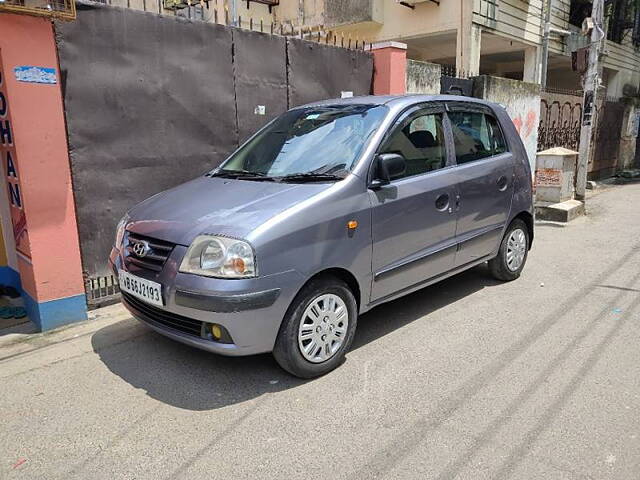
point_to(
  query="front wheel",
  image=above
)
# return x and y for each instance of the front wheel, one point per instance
(318, 328)
(512, 256)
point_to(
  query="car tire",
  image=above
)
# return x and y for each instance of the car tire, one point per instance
(512, 255)
(323, 329)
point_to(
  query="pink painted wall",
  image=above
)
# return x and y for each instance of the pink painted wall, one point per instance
(390, 70)
(55, 270)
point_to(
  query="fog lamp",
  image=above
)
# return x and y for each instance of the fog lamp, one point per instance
(216, 331)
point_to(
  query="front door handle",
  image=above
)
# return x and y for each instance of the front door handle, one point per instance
(502, 183)
(442, 202)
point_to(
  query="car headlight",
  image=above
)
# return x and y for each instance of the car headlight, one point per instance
(213, 256)
(122, 224)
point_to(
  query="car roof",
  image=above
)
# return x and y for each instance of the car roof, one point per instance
(400, 101)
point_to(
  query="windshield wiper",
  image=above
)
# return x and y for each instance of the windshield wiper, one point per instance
(332, 168)
(221, 172)
(311, 177)
(242, 175)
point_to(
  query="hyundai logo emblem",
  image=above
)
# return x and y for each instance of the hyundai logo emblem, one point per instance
(141, 248)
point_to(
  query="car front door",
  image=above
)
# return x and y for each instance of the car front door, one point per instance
(413, 217)
(485, 172)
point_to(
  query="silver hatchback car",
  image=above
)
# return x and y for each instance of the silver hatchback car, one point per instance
(328, 211)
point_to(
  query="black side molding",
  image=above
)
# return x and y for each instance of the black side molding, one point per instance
(226, 303)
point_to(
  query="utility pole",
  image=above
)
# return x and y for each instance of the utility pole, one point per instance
(234, 13)
(591, 86)
(545, 43)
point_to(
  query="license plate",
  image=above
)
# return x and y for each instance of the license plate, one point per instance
(145, 290)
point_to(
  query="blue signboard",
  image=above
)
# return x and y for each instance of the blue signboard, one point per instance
(31, 74)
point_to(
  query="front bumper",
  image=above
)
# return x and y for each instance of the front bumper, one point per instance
(226, 303)
(251, 310)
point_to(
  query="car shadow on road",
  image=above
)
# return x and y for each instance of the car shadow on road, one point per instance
(386, 318)
(188, 378)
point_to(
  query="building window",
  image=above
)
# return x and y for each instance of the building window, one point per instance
(624, 21)
(579, 11)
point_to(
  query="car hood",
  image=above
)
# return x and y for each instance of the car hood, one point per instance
(215, 205)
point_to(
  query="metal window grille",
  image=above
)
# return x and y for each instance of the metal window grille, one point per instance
(102, 291)
(62, 9)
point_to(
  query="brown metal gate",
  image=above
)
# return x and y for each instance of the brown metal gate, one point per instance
(607, 140)
(560, 119)
(636, 163)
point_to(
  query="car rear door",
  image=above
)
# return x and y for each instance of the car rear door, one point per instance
(413, 219)
(485, 173)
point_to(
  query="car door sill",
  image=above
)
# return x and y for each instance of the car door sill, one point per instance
(429, 281)
(414, 259)
(459, 241)
(467, 237)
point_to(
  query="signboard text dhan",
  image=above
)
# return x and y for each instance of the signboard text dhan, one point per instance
(9, 160)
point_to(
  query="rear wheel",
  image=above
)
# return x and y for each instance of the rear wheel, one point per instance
(318, 328)
(512, 256)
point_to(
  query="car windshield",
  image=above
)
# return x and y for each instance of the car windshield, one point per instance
(322, 142)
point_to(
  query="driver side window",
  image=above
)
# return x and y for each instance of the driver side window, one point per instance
(420, 140)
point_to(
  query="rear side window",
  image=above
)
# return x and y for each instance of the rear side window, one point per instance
(476, 136)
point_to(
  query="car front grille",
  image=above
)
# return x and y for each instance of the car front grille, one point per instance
(166, 319)
(156, 252)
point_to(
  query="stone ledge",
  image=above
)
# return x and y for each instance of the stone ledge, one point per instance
(560, 212)
(389, 44)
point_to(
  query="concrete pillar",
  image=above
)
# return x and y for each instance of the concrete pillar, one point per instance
(531, 72)
(468, 43)
(555, 171)
(35, 161)
(390, 68)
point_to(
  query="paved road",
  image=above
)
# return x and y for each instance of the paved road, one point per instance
(466, 379)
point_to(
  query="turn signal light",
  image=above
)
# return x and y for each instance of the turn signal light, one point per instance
(238, 265)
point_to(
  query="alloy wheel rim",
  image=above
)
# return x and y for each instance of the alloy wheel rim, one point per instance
(516, 249)
(323, 328)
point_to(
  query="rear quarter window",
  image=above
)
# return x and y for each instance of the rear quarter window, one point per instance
(476, 135)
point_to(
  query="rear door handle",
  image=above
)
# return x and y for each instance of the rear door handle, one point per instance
(502, 183)
(442, 202)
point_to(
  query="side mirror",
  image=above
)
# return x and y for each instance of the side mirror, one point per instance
(389, 167)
